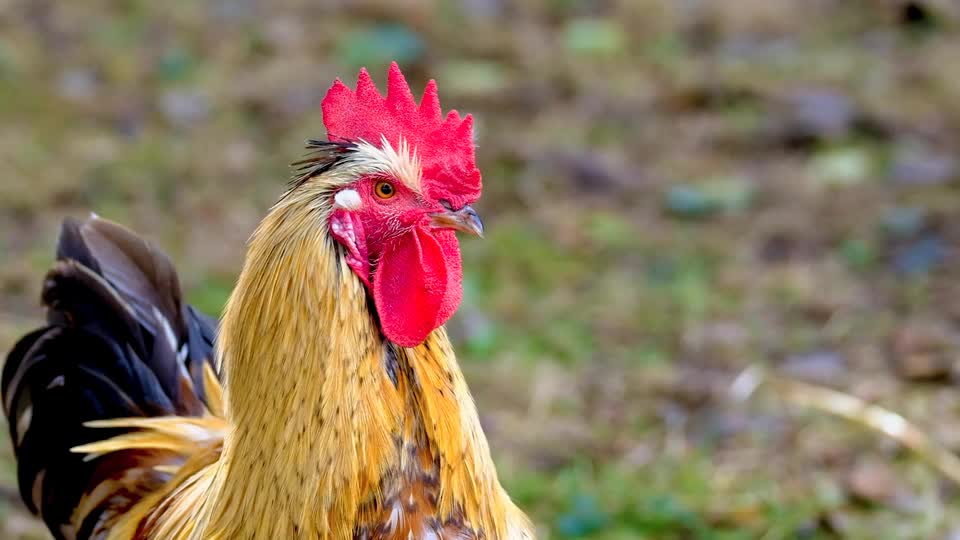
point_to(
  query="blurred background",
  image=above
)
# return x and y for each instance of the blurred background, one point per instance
(686, 201)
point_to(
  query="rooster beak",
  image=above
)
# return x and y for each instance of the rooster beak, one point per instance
(464, 220)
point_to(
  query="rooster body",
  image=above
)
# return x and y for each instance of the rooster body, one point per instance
(332, 416)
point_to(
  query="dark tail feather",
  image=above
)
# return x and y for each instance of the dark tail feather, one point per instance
(119, 343)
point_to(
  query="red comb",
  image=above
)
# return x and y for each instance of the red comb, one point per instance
(443, 145)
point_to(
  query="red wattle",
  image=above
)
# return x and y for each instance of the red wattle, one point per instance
(417, 284)
(451, 256)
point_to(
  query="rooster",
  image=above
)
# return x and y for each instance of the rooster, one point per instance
(326, 403)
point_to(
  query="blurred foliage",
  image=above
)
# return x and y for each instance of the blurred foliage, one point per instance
(674, 191)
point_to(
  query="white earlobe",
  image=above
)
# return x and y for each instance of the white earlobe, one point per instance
(348, 199)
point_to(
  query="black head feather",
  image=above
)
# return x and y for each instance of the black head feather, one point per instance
(322, 157)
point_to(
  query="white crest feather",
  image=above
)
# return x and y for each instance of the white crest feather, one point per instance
(400, 162)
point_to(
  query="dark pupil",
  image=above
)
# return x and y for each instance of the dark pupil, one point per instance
(386, 189)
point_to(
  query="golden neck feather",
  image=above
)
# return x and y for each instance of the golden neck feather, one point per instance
(317, 423)
(301, 357)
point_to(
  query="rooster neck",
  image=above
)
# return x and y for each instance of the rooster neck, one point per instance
(314, 414)
(326, 416)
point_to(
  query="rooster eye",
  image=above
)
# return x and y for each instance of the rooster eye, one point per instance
(384, 190)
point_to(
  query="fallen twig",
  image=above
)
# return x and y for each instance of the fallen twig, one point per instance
(855, 409)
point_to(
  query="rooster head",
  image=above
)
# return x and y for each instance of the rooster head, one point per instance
(404, 178)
